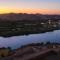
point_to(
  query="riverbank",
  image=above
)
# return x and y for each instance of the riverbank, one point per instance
(34, 52)
(16, 28)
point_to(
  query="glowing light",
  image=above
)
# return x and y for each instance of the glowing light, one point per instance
(42, 11)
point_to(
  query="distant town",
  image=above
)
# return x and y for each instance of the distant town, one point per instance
(23, 24)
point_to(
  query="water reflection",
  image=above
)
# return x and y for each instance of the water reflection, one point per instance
(18, 41)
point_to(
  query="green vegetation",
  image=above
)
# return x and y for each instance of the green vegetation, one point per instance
(23, 24)
(25, 27)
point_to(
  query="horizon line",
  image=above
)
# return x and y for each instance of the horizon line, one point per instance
(28, 13)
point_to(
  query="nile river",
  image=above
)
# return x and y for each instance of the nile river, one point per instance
(17, 41)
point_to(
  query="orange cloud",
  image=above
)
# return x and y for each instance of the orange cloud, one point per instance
(42, 11)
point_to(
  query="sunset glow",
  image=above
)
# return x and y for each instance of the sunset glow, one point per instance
(30, 6)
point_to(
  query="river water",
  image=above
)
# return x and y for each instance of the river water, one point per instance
(17, 41)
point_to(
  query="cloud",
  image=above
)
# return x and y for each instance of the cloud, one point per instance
(29, 7)
(34, 11)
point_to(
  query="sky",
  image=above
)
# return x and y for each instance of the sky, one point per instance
(30, 6)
